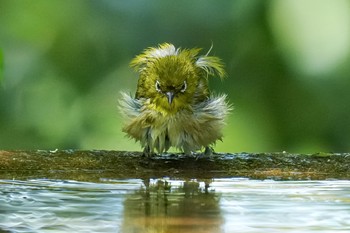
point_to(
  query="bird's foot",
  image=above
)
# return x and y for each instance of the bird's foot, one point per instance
(148, 153)
(209, 151)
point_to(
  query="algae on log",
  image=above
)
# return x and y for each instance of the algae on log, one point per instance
(96, 164)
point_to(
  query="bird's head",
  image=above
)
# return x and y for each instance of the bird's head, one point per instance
(173, 79)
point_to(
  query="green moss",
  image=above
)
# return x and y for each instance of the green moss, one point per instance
(97, 164)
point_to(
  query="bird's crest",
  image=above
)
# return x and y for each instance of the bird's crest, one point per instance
(211, 65)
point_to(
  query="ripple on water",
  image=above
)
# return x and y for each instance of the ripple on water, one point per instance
(174, 205)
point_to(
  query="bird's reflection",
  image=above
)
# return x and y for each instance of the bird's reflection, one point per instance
(164, 205)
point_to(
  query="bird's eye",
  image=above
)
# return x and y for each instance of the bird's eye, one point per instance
(158, 86)
(183, 87)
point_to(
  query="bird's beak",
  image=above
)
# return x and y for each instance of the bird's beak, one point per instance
(170, 96)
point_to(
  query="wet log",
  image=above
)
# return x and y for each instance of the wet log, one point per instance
(94, 165)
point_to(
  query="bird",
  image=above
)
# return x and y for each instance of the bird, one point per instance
(173, 106)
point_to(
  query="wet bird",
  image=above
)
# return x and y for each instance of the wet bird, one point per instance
(173, 106)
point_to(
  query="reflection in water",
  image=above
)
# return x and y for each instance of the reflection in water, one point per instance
(172, 206)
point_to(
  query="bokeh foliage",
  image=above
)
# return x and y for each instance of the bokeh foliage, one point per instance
(1, 64)
(66, 61)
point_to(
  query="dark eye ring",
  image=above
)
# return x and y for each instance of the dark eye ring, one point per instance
(158, 86)
(183, 87)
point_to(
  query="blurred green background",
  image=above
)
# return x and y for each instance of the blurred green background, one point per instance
(63, 64)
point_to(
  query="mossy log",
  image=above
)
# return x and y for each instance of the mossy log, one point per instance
(97, 164)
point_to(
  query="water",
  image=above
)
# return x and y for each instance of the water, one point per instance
(171, 205)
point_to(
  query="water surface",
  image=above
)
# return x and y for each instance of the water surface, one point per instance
(174, 205)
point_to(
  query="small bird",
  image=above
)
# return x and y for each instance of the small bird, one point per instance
(173, 106)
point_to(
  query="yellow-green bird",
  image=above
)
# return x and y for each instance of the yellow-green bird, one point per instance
(173, 106)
